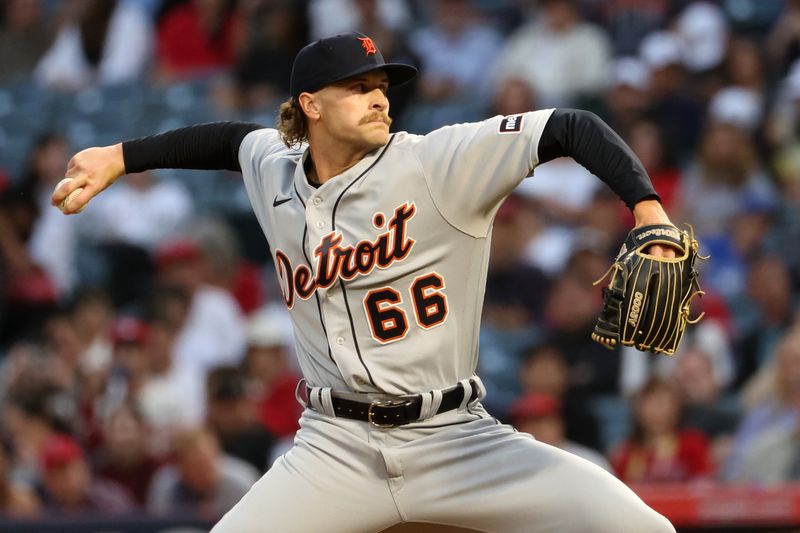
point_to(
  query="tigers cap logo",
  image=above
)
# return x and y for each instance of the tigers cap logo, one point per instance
(369, 46)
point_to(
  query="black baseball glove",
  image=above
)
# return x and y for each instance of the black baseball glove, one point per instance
(646, 303)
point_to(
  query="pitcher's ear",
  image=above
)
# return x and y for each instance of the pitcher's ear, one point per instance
(308, 104)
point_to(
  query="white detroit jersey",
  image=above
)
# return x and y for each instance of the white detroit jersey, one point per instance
(383, 267)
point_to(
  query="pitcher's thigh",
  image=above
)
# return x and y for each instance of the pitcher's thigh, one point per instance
(508, 482)
(305, 492)
(579, 496)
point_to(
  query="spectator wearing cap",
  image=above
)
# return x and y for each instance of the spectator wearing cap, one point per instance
(131, 366)
(738, 106)
(231, 415)
(107, 384)
(627, 98)
(227, 268)
(545, 372)
(703, 31)
(68, 486)
(658, 449)
(212, 332)
(269, 373)
(202, 482)
(541, 415)
(124, 456)
(173, 398)
(93, 317)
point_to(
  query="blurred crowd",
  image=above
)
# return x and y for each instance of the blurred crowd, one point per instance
(145, 353)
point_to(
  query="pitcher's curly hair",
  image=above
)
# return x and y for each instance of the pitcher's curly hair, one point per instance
(292, 123)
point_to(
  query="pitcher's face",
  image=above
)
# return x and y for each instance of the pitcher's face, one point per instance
(355, 111)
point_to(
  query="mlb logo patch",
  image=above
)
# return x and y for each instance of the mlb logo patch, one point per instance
(511, 124)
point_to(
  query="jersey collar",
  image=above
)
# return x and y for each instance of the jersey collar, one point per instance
(339, 182)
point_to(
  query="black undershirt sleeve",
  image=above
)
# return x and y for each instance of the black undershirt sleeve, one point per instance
(583, 136)
(212, 146)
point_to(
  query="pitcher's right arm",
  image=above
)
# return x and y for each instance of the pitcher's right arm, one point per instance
(213, 146)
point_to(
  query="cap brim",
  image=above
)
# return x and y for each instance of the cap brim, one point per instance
(398, 73)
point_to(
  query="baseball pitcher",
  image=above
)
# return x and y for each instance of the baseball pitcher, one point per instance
(381, 243)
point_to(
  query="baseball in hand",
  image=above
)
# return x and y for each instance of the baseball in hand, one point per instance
(66, 201)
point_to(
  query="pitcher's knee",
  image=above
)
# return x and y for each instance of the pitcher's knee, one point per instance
(663, 525)
(650, 522)
(626, 518)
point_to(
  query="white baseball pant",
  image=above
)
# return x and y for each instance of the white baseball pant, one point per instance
(460, 468)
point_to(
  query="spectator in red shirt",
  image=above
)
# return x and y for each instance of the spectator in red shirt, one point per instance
(124, 457)
(542, 415)
(68, 484)
(196, 37)
(266, 365)
(658, 450)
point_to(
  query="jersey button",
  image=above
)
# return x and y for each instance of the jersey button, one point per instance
(317, 200)
(339, 340)
(359, 380)
(320, 224)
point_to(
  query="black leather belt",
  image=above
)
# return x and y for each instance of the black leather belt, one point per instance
(396, 411)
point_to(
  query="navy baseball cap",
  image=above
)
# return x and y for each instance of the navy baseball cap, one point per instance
(335, 58)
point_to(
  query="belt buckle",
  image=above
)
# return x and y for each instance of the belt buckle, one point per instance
(383, 403)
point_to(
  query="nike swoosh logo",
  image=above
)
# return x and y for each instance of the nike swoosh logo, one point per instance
(276, 202)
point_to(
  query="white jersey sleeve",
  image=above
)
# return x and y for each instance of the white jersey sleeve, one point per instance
(471, 168)
(257, 146)
(257, 149)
